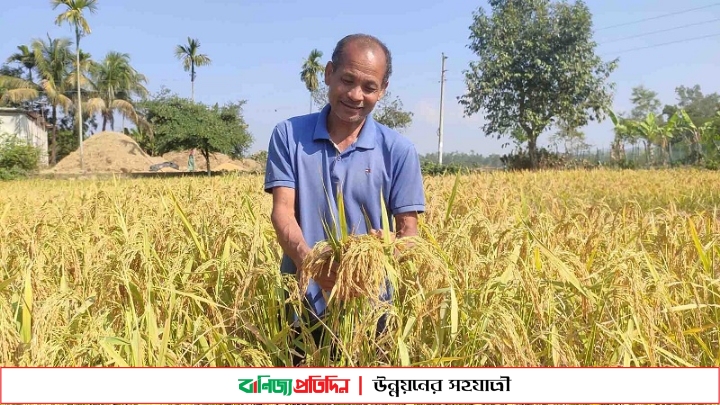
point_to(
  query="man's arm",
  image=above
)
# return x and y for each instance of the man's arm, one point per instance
(287, 229)
(406, 224)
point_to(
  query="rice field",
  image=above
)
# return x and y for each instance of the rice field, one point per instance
(596, 268)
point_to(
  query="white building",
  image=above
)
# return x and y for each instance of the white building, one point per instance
(28, 126)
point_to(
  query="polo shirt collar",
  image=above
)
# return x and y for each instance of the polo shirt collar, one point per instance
(365, 140)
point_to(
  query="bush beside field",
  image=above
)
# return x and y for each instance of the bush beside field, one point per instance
(573, 268)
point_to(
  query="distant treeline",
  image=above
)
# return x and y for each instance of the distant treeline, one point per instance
(463, 159)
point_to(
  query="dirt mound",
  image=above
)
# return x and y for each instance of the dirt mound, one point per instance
(218, 162)
(227, 167)
(114, 152)
(252, 165)
(106, 152)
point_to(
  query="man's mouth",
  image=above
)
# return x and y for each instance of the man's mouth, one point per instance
(350, 106)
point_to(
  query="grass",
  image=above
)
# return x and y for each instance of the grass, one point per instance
(596, 268)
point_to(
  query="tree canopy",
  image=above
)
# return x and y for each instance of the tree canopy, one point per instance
(181, 124)
(536, 66)
(390, 112)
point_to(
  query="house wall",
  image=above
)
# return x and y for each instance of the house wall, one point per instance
(20, 125)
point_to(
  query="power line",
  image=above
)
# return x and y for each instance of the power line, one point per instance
(659, 31)
(660, 16)
(663, 44)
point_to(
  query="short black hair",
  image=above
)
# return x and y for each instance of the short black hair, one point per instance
(367, 40)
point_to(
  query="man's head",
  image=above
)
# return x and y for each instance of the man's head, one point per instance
(357, 76)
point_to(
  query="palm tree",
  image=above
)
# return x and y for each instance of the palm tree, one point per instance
(53, 60)
(74, 16)
(190, 58)
(309, 74)
(26, 58)
(114, 82)
(14, 90)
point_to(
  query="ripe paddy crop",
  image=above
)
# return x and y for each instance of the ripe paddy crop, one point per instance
(597, 268)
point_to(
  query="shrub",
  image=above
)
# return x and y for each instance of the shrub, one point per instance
(260, 157)
(435, 169)
(17, 157)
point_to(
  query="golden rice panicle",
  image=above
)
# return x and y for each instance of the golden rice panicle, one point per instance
(423, 271)
(420, 260)
(362, 268)
(315, 263)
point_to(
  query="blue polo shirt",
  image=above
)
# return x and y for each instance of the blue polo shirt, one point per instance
(302, 156)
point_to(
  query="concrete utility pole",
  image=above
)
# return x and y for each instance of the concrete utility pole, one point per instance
(442, 93)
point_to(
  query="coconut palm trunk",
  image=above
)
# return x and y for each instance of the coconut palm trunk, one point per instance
(53, 151)
(79, 122)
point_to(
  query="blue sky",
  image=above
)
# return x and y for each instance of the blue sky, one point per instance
(257, 49)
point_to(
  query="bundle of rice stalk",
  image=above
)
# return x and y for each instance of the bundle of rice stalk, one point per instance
(363, 267)
(364, 261)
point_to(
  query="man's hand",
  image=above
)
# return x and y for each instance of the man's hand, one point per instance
(379, 233)
(406, 224)
(327, 278)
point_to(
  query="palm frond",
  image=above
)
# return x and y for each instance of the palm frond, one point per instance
(202, 60)
(126, 109)
(11, 83)
(18, 96)
(95, 105)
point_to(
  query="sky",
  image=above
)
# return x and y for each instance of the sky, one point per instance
(257, 49)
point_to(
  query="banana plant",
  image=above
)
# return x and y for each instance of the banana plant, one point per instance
(699, 133)
(655, 133)
(624, 131)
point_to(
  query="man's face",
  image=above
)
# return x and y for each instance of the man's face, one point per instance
(356, 86)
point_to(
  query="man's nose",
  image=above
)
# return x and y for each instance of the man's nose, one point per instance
(356, 93)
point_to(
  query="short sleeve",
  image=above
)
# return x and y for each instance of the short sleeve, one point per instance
(407, 193)
(279, 169)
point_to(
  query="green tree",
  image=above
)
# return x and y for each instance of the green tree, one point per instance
(391, 114)
(25, 57)
(319, 96)
(52, 59)
(537, 64)
(74, 15)
(190, 58)
(699, 108)
(54, 63)
(113, 83)
(571, 137)
(645, 101)
(181, 124)
(311, 69)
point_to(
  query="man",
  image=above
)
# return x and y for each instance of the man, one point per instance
(310, 157)
(191, 160)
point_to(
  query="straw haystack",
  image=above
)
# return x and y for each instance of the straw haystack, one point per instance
(106, 152)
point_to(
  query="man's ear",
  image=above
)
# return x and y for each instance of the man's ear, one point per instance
(383, 90)
(329, 68)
